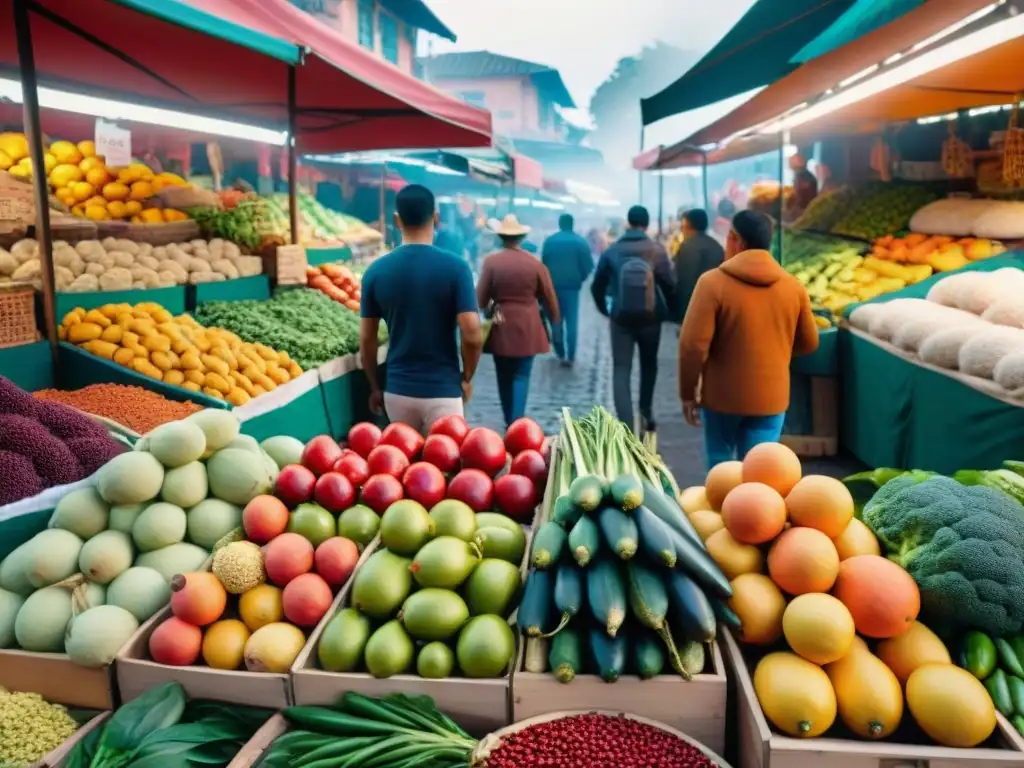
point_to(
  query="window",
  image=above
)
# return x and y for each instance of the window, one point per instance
(418, 70)
(388, 37)
(506, 114)
(367, 24)
(411, 34)
(476, 98)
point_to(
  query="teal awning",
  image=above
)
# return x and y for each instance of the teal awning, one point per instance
(865, 16)
(757, 51)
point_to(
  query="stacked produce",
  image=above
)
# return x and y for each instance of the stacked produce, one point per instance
(81, 180)
(161, 727)
(448, 578)
(338, 282)
(241, 221)
(306, 324)
(43, 445)
(881, 209)
(826, 210)
(30, 727)
(618, 574)
(799, 245)
(318, 225)
(941, 253)
(389, 732)
(119, 265)
(177, 350)
(139, 409)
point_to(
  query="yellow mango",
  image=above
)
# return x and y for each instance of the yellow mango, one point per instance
(202, 343)
(948, 261)
(257, 390)
(215, 364)
(265, 352)
(217, 382)
(278, 374)
(190, 361)
(294, 369)
(161, 360)
(125, 319)
(241, 382)
(161, 315)
(211, 392)
(95, 316)
(263, 380)
(196, 377)
(82, 332)
(182, 346)
(253, 357)
(103, 349)
(62, 333)
(238, 397)
(124, 356)
(110, 310)
(146, 368)
(177, 378)
(157, 343)
(72, 317)
(191, 386)
(113, 334)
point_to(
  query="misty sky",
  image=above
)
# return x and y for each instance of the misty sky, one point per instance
(585, 38)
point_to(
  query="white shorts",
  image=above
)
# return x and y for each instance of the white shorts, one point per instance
(420, 413)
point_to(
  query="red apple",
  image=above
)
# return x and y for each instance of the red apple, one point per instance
(320, 454)
(454, 426)
(484, 449)
(516, 497)
(441, 451)
(334, 492)
(530, 463)
(387, 460)
(354, 467)
(403, 437)
(522, 435)
(424, 483)
(380, 492)
(474, 488)
(363, 438)
(294, 485)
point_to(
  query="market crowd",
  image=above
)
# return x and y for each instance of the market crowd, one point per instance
(742, 319)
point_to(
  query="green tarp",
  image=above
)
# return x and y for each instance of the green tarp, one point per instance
(317, 256)
(825, 361)
(29, 365)
(172, 299)
(240, 289)
(864, 17)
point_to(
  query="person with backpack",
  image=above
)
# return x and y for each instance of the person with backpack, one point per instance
(634, 286)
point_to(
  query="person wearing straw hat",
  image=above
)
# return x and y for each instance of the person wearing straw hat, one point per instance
(513, 284)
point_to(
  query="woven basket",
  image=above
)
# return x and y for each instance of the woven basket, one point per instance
(491, 742)
(17, 316)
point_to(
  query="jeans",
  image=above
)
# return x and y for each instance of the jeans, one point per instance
(513, 385)
(728, 437)
(624, 338)
(565, 333)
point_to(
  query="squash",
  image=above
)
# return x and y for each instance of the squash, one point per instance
(796, 695)
(868, 695)
(951, 705)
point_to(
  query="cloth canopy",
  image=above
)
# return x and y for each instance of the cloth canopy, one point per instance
(865, 16)
(685, 155)
(757, 51)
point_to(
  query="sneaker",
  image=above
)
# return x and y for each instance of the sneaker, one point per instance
(647, 425)
(565, 363)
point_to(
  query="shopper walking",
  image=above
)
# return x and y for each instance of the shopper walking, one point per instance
(746, 321)
(699, 253)
(513, 283)
(567, 257)
(423, 294)
(634, 286)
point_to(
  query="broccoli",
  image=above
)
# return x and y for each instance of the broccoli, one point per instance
(963, 545)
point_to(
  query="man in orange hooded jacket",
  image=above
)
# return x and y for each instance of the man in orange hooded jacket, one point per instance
(746, 321)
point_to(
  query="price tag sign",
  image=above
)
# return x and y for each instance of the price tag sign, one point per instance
(113, 144)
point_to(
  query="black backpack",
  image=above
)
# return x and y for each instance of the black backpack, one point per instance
(635, 301)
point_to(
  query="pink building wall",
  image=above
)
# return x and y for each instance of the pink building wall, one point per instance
(512, 101)
(343, 15)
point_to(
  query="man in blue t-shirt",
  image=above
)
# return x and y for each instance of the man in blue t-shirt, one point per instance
(424, 295)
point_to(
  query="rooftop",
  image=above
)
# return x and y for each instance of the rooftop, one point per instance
(484, 64)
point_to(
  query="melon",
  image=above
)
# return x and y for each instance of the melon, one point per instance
(10, 604)
(219, 427)
(803, 560)
(211, 520)
(130, 478)
(106, 556)
(284, 450)
(882, 597)
(83, 512)
(51, 556)
(177, 558)
(140, 591)
(754, 513)
(185, 486)
(177, 443)
(238, 476)
(96, 635)
(12, 572)
(773, 464)
(94, 594)
(821, 502)
(123, 516)
(43, 620)
(160, 525)
(246, 443)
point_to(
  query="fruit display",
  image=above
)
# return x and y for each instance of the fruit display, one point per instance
(620, 582)
(318, 225)
(178, 350)
(971, 321)
(162, 727)
(44, 444)
(306, 324)
(136, 408)
(337, 282)
(998, 664)
(31, 727)
(882, 209)
(826, 210)
(941, 253)
(81, 180)
(799, 245)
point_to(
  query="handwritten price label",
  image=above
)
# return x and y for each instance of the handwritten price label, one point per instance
(114, 144)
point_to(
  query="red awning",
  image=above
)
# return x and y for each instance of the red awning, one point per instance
(527, 172)
(648, 159)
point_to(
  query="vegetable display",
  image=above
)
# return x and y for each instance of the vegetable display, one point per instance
(337, 282)
(161, 727)
(881, 209)
(999, 664)
(940, 252)
(139, 409)
(308, 325)
(177, 350)
(46, 444)
(30, 727)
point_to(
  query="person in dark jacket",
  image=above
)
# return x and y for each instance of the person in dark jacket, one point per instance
(567, 257)
(644, 334)
(698, 254)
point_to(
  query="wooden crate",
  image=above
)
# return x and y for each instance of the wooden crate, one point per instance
(58, 758)
(760, 747)
(824, 437)
(250, 754)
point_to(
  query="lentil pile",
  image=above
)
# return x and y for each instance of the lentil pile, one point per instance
(134, 407)
(595, 741)
(30, 727)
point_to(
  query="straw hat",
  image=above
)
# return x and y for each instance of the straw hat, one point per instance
(508, 227)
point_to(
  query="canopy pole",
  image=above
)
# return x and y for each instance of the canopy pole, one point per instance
(381, 201)
(661, 201)
(783, 143)
(640, 174)
(704, 183)
(30, 101)
(293, 159)
(512, 197)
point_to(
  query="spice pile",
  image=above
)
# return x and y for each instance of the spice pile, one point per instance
(30, 727)
(136, 408)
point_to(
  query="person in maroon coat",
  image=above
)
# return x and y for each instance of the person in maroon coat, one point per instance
(512, 284)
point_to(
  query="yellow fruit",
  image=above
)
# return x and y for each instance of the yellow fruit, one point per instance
(132, 207)
(912, 649)
(21, 171)
(224, 644)
(693, 499)
(5, 161)
(796, 696)
(856, 539)
(760, 606)
(170, 214)
(951, 705)
(152, 215)
(818, 627)
(14, 145)
(734, 557)
(89, 163)
(116, 209)
(66, 152)
(97, 176)
(49, 162)
(78, 210)
(273, 648)
(261, 606)
(115, 190)
(706, 522)
(82, 190)
(87, 149)
(868, 695)
(96, 200)
(96, 213)
(68, 200)
(65, 174)
(142, 190)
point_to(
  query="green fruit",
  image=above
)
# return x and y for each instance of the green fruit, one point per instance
(389, 651)
(313, 523)
(496, 520)
(405, 527)
(160, 525)
(381, 585)
(503, 543)
(359, 524)
(140, 591)
(492, 587)
(106, 556)
(177, 443)
(10, 604)
(486, 647)
(211, 520)
(83, 512)
(979, 654)
(343, 641)
(444, 563)
(96, 635)
(284, 450)
(433, 614)
(435, 662)
(454, 518)
(43, 620)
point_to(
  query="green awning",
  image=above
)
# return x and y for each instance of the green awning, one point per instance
(865, 16)
(757, 51)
